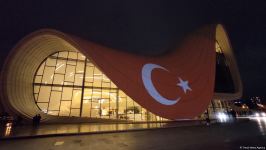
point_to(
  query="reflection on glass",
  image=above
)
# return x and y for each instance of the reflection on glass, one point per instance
(68, 84)
(60, 66)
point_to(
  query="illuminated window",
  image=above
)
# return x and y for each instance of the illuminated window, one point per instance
(218, 47)
(69, 84)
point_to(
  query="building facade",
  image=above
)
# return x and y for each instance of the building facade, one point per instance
(65, 78)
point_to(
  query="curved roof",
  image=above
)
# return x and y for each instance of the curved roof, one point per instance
(223, 40)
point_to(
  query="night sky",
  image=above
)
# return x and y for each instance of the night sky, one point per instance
(152, 27)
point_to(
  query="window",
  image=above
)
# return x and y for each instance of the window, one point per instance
(68, 84)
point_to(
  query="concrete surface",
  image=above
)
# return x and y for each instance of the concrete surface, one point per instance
(238, 135)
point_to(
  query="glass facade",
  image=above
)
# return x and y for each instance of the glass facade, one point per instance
(69, 84)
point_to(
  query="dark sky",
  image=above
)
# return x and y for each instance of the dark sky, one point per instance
(152, 27)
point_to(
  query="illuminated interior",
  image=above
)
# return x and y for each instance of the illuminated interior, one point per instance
(69, 84)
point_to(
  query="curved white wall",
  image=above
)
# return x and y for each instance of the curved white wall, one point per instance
(20, 68)
(223, 40)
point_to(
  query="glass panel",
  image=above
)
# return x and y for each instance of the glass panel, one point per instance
(48, 75)
(57, 88)
(75, 112)
(71, 62)
(36, 89)
(72, 55)
(106, 84)
(40, 71)
(105, 78)
(86, 108)
(152, 117)
(65, 108)
(97, 72)
(68, 83)
(89, 64)
(130, 109)
(38, 79)
(97, 81)
(105, 107)
(89, 84)
(113, 97)
(76, 99)
(95, 113)
(95, 104)
(144, 114)
(81, 57)
(43, 107)
(122, 108)
(58, 79)
(96, 94)
(87, 93)
(44, 94)
(105, 93)
(67, 93)
(113, 108)
(50, 62)
(55, 100)
(80, 67)
(113, 85)
(70, 71)
(138, 112)
(63, 54)
(52, 112)
(55, 55)
(78, 79)
(122, 94)
(60, 66)
(89, 74)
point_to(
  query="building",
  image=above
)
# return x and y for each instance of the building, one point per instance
(65, 78)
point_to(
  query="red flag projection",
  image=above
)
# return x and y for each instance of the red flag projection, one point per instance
(176, 85)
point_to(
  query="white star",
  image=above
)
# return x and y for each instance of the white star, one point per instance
(184, 85)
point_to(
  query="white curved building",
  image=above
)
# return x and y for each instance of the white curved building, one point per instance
(51, 73)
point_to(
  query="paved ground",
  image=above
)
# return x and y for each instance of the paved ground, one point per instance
(239, 135)
(85, 128)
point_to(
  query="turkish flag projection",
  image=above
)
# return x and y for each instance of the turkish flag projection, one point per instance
(176, 85)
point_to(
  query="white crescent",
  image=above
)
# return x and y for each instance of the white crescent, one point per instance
(146, 78)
